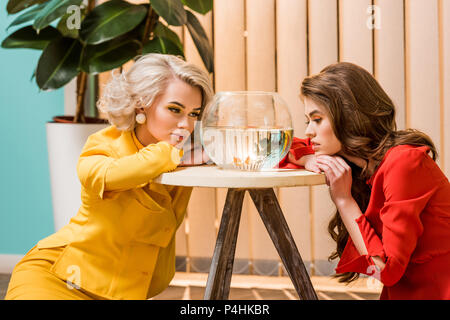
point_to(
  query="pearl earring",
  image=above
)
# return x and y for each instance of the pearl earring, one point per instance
(141, 118)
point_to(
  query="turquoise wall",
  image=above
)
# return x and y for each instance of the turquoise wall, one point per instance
(25, 197)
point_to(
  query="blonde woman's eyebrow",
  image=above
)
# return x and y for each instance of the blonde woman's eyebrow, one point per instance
(177, 103)
(182, 106)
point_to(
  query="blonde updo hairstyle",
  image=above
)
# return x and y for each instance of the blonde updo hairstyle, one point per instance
(143, 83)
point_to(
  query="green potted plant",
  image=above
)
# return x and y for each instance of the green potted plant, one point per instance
(80, 39)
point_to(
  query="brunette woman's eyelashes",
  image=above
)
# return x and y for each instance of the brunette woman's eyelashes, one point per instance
(315, 120)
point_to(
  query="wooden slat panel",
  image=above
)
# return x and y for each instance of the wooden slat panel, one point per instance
(323, 50)
(355, 38)
(230, 66)
(291, 70)
(390, 55)
(445, 84)
(422, 68)
(251, 64)
(260, 23)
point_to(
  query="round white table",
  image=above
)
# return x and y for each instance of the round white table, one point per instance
(216, 177)
(260, 187)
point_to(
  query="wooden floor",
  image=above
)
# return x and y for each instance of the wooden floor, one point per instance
(191, 286)
(4, 280)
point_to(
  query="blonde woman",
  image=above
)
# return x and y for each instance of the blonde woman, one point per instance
(120, 244)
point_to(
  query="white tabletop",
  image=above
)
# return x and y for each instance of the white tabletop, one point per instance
(216, 177)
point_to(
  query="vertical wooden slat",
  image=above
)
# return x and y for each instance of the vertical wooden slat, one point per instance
(390, 55)
(323, 50)
(355, 38)
(260, 45)
(182, 235)
(202, 205)
(260, 25)
(292, 57)
(180, 241)
(229, 45)
(323, 34)
(291, 70)
(202, 236)
(190, 50)
(230, 66)
(422, 69)
(444, 31)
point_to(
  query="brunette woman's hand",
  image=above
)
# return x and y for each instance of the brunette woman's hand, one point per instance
(339, 177)
(307, 161)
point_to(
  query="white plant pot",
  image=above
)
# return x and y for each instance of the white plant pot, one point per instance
(65, 142)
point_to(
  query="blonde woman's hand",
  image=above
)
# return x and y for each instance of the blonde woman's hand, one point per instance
(307, 161)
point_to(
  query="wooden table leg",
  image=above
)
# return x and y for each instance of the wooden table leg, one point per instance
(219, 277)
(269, 209)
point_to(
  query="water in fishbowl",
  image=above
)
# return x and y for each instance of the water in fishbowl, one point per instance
(247, 148)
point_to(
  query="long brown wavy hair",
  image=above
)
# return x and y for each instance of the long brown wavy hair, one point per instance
(363, 119)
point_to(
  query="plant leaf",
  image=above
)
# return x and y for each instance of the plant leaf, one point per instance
(28, 38)
(164, 32)
(52, 11)
(170, 10)
(200, 6)
(162, 45)
(58, 63)
(26, 16)
(201, 41)
(15, 6)
(109, 55)
(110, 20)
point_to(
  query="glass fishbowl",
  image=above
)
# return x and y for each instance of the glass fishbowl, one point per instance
(246, 130)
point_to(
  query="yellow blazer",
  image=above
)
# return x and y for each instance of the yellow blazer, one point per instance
(121, 243)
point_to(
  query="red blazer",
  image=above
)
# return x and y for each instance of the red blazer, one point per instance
(407, 224)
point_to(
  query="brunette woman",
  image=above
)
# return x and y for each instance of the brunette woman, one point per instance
(392, 199)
